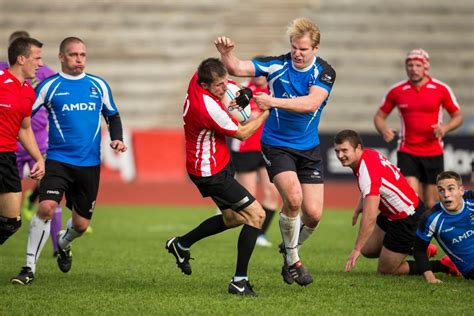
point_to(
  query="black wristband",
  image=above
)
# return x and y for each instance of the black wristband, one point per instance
(115, 127)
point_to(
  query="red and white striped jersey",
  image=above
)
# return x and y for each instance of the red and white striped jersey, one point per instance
(378, 176)
(206, 123)
(419, 111)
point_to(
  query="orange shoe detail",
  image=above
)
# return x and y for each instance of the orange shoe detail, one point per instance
(453, 270)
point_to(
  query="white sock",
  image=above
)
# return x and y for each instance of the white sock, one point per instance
(305, 232)
(289, 228)
(38, 235)
(66, 239)
(239, 278)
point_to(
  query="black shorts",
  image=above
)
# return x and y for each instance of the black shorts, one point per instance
(9, 178)
(80, 184)
(224, 190)
(400, 234)
(247, 161)
(425, 169)
(307, 164)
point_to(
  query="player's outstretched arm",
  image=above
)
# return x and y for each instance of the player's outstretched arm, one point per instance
(367, 223)
(235, 66)
(422, 261)
(304, 104)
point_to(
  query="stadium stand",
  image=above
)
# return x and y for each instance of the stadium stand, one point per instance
(148, 49)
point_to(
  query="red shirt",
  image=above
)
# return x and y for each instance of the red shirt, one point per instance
(253, 142)
(419, 111)
(376, 176)
(206, 124)
(16, 102)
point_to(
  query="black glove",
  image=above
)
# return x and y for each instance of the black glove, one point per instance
(244, 97)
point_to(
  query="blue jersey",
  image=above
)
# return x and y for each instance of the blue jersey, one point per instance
(453, 231)
(75, 105)
(289, 129)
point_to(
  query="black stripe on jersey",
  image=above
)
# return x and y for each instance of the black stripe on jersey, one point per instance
(328, 74)
(265, 59)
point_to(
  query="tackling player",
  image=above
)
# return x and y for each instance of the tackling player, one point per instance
(300, 83)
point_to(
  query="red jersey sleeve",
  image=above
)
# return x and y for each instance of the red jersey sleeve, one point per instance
(449, 100)
(388, 103)
(369, 175)
(218, 119)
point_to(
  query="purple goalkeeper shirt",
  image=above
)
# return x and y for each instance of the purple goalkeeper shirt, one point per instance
(39, 122)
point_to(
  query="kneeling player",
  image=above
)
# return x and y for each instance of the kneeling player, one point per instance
(451, 222)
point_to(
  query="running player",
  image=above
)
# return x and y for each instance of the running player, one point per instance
(75, 102)
(420, 101)
(16, 99)
(206, 124)
(39, 124)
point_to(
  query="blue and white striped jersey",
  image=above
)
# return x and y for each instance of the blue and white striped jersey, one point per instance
(289, 129)
(453, 231)
(75, 104)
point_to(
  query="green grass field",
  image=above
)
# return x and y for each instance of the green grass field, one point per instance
(123, 268)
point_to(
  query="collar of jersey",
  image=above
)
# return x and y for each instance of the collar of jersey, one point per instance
(304, 69)
(455, 212)
(72, 77)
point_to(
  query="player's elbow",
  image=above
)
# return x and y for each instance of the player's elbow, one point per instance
(242, 135)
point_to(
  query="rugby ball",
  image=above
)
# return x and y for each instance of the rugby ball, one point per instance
(241, 115)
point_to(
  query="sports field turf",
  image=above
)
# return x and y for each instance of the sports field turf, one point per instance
(123, 268)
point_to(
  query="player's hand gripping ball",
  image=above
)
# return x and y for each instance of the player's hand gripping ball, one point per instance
(241, 112)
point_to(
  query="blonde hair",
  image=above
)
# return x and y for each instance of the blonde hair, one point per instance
(301, 26)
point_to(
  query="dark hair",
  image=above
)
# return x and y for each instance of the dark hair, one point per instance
(17, 34)
(209, 69)
(449, 175)
(65, 42)
(21, 47)
(348, 135)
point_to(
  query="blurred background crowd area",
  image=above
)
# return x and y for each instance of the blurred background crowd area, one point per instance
(148, 49)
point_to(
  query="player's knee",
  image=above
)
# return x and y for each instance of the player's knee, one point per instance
(46, 209)
(293, 203)
(258, 217)
(8, 226)
(80, 227)
(386, 269)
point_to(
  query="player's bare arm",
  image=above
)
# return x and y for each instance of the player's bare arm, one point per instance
(367, 223)
(454, 122)
(358, 209)
(387, 132)
(249, 128)
(235, 66)
(28, 141)
(305, 104)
